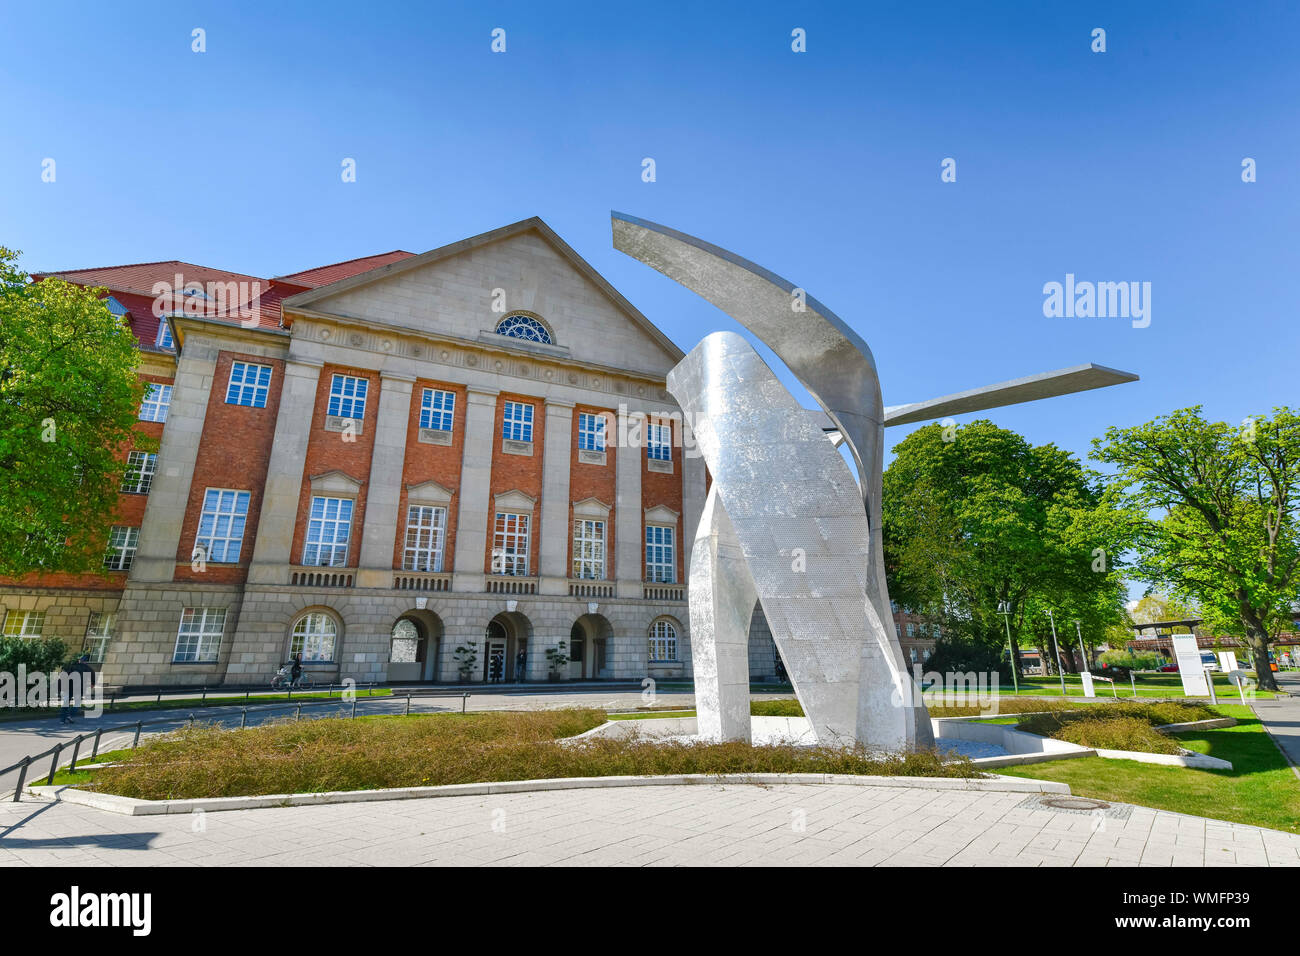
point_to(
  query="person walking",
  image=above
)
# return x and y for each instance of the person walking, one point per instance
(521, 663)
(295, 671)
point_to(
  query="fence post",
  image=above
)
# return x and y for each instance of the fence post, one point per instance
(204, 698)
(76, 749)
(243, 719)
(111, 699)
(54, 764)
(247, 691)
(354, 707)
(464, 698)
(22, 778)
(94, 753)
(191, 721)
(159, 700)
(408, 705)
(139, 726)
(298, 714)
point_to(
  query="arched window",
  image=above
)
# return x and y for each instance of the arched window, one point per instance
(663, 640)
(524, 327)
(406, 642)
(314, 637)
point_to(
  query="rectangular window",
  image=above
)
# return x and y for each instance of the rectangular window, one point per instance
(140, 468)
(157, 400)
(660, 566)
(98, 633)
(510, 544)
(221, 525)
(437, 409)
(165, 336)
(348, 396)
(327, 532)
(426, 532)
(249, 384)
(659, 442)
(517, 423)
(24, 623)
(591, 432)
(121, 548)
(199, 637)
(589, 549)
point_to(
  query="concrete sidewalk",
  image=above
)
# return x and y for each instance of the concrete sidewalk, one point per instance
(728, 825)
(1282, 717)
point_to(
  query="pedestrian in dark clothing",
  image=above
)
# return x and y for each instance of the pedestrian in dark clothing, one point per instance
(296, 670)
(521, 662)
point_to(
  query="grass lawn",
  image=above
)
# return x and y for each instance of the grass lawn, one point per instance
(1260, 789)
(1148, 685)
(429, 750)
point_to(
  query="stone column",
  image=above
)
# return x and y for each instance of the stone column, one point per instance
(271, 557)
(160, 532)
(553, 564)
(383, 493)
(629, 540)
(475, 485)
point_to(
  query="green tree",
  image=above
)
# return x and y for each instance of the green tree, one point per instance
(69, 397)
(1214, 515)
(986, 520)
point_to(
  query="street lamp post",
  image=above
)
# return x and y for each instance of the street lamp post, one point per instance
(1004, 608)
(1057, 648)
(1083, 651)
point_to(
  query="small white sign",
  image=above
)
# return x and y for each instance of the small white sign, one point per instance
(1227, 661)
(1088, 690)
(1187, 654)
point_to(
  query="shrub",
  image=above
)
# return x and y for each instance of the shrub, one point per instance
(1125, 662)
(44, 654)
(959, 655)
(775, 708)
(1118, 726)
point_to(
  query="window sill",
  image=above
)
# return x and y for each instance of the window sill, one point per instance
(335, 423)
(587, 456)
(659, 466)
(511, 447)
(434, 436)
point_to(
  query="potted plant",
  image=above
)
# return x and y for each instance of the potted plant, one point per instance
(466, 656)
(558, 659)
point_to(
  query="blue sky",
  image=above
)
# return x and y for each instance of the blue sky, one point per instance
(823, 166)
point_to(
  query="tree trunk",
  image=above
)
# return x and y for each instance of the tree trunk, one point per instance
(1258, 644)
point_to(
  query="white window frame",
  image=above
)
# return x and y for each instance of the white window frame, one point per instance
(660, 539)
(663, 647)
(426, 538)
(25, 624)
(328, 545)
(195, 634)
(517, 421)
(122, 542)
(141, 466)
(511, 537)
(222, 524)
(313, 635)
(246, 382)
(99, 632)
(657, 447)
(339, 399)
(591, 431)
(437, 409)
(589, 549)
(163, 339)
(156, 402)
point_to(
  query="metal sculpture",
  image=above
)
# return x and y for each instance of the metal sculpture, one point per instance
(779, 485)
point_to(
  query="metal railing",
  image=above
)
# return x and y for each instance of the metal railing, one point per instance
(24, 765)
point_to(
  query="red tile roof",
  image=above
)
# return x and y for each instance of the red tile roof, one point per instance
(324, 275)
(132, 285)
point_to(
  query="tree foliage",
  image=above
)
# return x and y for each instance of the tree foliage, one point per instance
(69, 397)
(986, 518)
(1213, 512)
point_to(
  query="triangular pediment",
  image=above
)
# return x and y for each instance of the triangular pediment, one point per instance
(463, 290)
(428, 493)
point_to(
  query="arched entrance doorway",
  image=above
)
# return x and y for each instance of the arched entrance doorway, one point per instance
(591, 642)
(506, 652)
(415, 648)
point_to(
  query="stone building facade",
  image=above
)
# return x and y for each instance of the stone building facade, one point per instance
(380, 462)
(405, 467)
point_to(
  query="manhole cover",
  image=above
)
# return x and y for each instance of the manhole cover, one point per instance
(1075, 803)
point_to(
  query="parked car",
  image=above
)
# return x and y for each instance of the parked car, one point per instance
(1170, 668)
